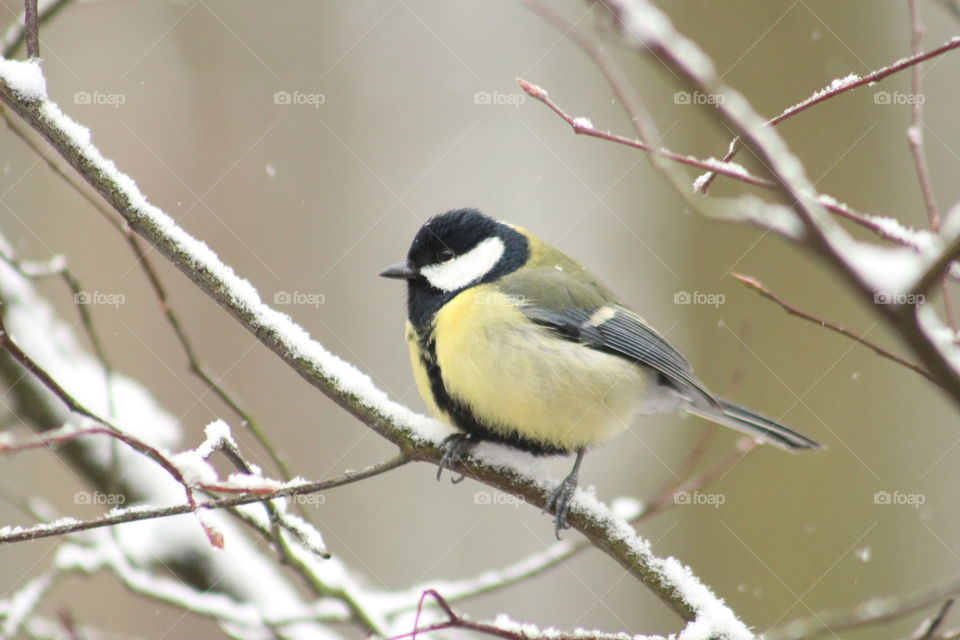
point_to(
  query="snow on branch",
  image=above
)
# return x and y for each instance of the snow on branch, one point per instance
(22, 88)
(893, 280)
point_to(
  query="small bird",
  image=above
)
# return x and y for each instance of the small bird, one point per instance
(512, 341)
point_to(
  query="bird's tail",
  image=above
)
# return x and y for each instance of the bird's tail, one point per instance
(753, 424)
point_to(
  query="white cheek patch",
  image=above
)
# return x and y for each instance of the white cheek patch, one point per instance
(467, 268)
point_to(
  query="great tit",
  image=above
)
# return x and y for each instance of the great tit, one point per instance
(512, 341)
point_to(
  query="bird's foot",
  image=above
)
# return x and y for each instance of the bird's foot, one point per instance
(559, 502)
(454, 447)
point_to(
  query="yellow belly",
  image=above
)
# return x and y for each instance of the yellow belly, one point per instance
(519, 378)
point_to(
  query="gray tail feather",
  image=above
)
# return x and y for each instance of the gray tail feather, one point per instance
(753, 424)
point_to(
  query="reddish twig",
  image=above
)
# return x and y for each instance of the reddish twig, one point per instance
(133, 514)
(583, 126)
(856, 337)
(8, 344)
(834, 91)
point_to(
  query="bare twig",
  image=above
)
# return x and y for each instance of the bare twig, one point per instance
(8, 344)
(57, 267)
(915, 140)
(856, 337)
(583, 126)
(30, 26)
(509, 631)
(15, 34)
(870, 612)
(929, 627)
(133, 514)
(837, 89)
(194, 363)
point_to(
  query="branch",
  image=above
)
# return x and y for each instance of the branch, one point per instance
(503, 627)
(145, 512)
(30, 26)
(584, 126)
(856, 337)
(22, 88)
(14, 35)
(645, 29)
(834, 89)
(869, 612)
(915, 140)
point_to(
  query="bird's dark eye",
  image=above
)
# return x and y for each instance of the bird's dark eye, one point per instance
(445, 255)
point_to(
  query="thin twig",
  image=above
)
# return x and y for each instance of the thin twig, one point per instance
(30, 26)
(133, 514)
(915, 141)
(856, 337)
(57, 267)
(8, 344)
(870, 612)
(16, 33)
(834, 91)
(929, 628)
(630, 101)
(583, 126)
(194, 363)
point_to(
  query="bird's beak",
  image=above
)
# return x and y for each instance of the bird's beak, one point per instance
(400, 271)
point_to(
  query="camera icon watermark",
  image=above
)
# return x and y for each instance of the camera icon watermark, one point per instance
(898, 98)
(96, 497)
(298, 98)
(896, 498)
(699, 297)
(499, 98)
(98, 297)
(298, 297)
(98, 98)
(497, 497)
(714, 500)
(698, 97)
(896, 297)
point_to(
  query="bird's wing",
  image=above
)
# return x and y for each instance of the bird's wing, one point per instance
(580, 309)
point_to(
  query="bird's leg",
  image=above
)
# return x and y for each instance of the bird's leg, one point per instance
(559, 499)
(454, 447)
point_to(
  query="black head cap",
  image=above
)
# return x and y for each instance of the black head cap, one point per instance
(445, 237)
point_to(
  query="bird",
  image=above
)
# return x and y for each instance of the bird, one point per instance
(511, 341)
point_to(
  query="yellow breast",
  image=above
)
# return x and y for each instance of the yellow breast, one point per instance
(520, 378)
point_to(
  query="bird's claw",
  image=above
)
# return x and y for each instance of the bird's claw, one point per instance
(559, 503)
(454, 447)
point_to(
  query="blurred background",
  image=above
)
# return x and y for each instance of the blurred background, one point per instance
(306, 142)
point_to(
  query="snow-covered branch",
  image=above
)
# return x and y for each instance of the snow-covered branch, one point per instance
(883, 277)
(22, 88)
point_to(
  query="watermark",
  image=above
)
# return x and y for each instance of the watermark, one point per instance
(96, 497)
(898, 97)
(896, 297)
(710, 499)
(308, 499)
(914, 500)
(698, 97)
(98, 297)
(699, 297)
(497, 497)
(495, 297)
(98, 98)
(299, 297)
(499, 98)
(298, 98)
